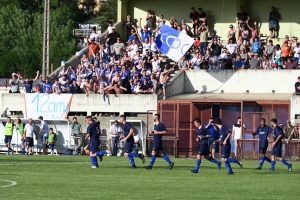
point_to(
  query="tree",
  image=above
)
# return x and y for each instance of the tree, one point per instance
(109, 10)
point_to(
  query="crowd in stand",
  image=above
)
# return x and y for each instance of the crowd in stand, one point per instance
(135, 67)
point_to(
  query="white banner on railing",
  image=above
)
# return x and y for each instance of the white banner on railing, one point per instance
(50, 106)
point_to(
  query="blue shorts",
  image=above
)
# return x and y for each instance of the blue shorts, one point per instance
(43, 138)
(128, 146)
(226, 151)
(263, 150)
(94, 147)
(276, 151)
(296, 59)
(7, 138)
(157, 145)
(203, 148)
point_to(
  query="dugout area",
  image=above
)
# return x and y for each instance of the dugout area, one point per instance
(178, 112)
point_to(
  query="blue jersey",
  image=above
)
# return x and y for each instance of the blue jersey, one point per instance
(202, 132)
(146, 34)
(132, 88)
(28, 86)
(47, 87)
(278, 132)
(159, 128)
(126, 130)
(214, 134)
(263, 132)
(239, 64)
(142, 79)
(224, 132)
(93, 130)
(255, 46)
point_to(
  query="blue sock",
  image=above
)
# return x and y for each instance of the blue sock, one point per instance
(131, 160)
(227, 164)
(211, 159)
(232, 160)
(9, 149)
(100, 153)
(95, 161)
(166, 158)
(152, 161)
(92, 160)
(273, 164)
(132, 154)
(261, 162)
(51, 147)
(198, 163)
(268, 159)
(23, 149)
(285, 163)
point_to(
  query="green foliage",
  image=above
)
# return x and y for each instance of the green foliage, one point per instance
(108, 10)
(21, 38)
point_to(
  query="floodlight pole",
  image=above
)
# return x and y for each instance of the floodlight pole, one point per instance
(45, 69)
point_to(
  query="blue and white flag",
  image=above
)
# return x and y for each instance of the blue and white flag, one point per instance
(173, 43)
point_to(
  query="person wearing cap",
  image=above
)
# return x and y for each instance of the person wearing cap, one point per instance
(93, 49)
(297, 87)
(269, 50)
(296, 52)
(112, 38)
(115, 132)
(29, 130)
(144, 31)
(43, 133)
(236, 135)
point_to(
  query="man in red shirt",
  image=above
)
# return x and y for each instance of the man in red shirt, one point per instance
(93, 49)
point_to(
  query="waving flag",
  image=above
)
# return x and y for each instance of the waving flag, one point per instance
(173, 43)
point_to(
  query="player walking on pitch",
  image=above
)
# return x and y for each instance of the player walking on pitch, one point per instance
(159, 131)
(203, 152)
(226, 147)
(277, 146)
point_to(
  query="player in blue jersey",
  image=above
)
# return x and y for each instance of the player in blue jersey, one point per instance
(263, 131)
(226, 147)
(93, 133)
(277, 146)
(158, 132)
(214, 131)
(202, 136)
(129, 142)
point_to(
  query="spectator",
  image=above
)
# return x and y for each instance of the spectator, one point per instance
(88, 87)
(254, 31)
(214, 36)
(146, 46)
(56, 87)
(186, 27)
(153, 82)
(294, 42)
(240, 44)
(93, 48)
(273, 22)
(266, 65)
(183, 64)
(278, 57)
(244, 57)
(287, 39)
(216, 47)
(231, 33)
(236, 136)
(112, 38)
(256, 62)
(116, 87)
(163, 80)
(227, 62)
(145, 32)
(269, 50)
(197, 43)
(63, 69)
(133, 49)
(156, 65)
(203, 38)
(232, 48)
(146, 87)
(213, 62)
(286, 49)
(76, 131)
(296, 51)
(43, 133)
(196, 61)
(245, 34)
(137, 88)
(291, 64)
(194, 19)
(242, 18)
(119, 48)
(95, 35)
(144, 76)
(20, 130)
(29, 130)
(137, 62)
(201, 17)
(115, 131)
(28, 83)
(75, 88)
(15, 83)
(288, 129)
(47, 86)
(255, 45)
(128, 24)
(179, 28)
(149, 18)
(126, 60)
(297, 87)
(147, 62)
(67, 87)
(153, 46)
(239, 63)
(84, 62)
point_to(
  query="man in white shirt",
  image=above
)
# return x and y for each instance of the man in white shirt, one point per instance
(231, 47)
(146, 46)
(29, 130)
(297, 52)
(133, 49)
(196, 61)
(156, 65)
(115, 131)
(95, 35)
(236, 135)
(44, 130)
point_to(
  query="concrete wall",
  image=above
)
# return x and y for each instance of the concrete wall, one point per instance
(175, 85)
(94, 103)
(295, 108)
(231, 81)
(221, 13)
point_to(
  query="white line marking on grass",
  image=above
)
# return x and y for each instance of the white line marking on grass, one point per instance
(12, 183)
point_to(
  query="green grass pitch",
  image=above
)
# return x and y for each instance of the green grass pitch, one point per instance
(71, 177)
